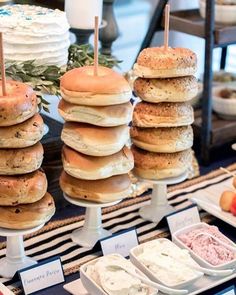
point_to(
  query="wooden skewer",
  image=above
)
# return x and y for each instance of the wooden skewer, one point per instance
(227, 171)
(96, 32)
(3, 73)
(167, 23)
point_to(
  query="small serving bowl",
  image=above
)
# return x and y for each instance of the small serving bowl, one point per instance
(197, 258)
(225, 14)
(224, 107)
(92, 287)
(224, 78)
(134, 253)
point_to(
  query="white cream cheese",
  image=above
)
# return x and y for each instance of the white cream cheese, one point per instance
(116, 281)
(168, 263)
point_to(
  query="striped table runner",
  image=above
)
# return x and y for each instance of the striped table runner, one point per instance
(54, 238)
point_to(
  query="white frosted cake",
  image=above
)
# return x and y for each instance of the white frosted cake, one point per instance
(35, 33)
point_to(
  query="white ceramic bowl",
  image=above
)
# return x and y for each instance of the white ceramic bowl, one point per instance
(91, 286)
(225, 108)
(225, 14)
(134, 253)
(198, 259)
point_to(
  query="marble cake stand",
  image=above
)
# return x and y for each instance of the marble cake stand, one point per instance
(15, 253)
(159, 206)
(92, 230)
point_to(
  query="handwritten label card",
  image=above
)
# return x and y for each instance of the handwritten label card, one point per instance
(120, 243)
(183, 218)
(42, 275)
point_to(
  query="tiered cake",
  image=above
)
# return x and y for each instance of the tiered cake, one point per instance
(35, 33)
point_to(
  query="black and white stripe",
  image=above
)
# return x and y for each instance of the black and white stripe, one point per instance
(57, 241)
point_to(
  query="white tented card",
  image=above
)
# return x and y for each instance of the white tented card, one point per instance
(183, 218)
(4, 290)
(42, 275)
(229, 291)
(120, 243)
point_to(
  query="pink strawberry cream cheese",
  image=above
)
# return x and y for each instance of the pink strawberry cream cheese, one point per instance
(207, 247)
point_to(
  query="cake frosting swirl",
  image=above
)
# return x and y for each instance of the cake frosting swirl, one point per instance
(35, 33)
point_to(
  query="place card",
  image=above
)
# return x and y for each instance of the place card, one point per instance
(120, 243)
(42, 275)
(4, 290)
(183, 218)
(228, 291)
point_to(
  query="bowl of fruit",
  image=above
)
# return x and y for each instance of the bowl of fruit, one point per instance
(224, 102)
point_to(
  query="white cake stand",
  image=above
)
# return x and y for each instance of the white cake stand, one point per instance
(159, 206)
(15, 253)
(92, 231)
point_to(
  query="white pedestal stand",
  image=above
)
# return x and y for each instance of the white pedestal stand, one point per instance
(15, 253)
(92, 231)
(159, 206)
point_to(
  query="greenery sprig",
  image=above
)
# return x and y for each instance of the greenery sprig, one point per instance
(46, 79)
(83, 55)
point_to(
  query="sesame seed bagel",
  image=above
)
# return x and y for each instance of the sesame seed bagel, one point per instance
(162, 114)
(160, 165)
(166, 90)
(163, 140)
(157, 62)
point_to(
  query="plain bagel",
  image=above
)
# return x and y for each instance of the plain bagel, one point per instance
(93, 140)
(80, 86)
(100, 191)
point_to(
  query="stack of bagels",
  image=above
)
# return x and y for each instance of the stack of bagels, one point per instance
(162, 134)
(24, 201)
(97, 111)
